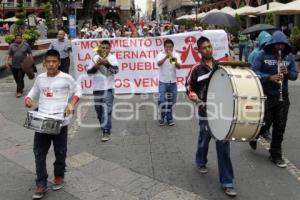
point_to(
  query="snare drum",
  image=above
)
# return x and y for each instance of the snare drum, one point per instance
(44, 123)
(235, 104)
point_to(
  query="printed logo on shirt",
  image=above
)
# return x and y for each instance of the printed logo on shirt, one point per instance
(274, 62)
(48, 92)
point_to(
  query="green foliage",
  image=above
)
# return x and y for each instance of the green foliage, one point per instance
(9, 38)
(52, 33)
(242, 21)
(49, 16)
(242, 3)
(269, 19)
(21, 15)
(30, 36)
(295, 38)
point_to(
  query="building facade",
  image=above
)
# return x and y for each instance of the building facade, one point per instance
(118, 10)
(189, 7)
(8, 8)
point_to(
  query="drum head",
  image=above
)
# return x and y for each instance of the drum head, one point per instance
(220, 104)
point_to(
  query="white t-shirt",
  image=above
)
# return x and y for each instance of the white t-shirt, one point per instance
(103, 79)
(167, 71)
(54, 92)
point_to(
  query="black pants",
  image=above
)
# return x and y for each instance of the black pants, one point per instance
(276, 113)
(64, 65)
(42, 143)
(18, 75)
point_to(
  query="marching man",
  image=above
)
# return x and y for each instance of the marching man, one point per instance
(54, 89)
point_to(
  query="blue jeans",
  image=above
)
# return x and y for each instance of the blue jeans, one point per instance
(103, 106)
(167, 99)
(223, 153)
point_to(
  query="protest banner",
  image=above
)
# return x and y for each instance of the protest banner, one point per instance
(137, 59)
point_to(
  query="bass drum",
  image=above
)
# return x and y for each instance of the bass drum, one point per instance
(235, 104)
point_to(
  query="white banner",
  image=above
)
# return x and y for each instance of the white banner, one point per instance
(137, 59)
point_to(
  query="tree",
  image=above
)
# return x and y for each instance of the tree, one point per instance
(269, 19)
(21, 15)
(50, 20)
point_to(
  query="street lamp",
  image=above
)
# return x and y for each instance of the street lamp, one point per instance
(198, 4)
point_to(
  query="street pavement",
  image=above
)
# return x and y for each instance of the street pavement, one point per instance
(142, 161)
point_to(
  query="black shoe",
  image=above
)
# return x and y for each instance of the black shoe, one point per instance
(278, 161)
(161, 123)
(230, 191)
(105, 136)
(171, 123)
(253, 144)
(202, 169)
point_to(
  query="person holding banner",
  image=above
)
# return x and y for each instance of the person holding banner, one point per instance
(102, 68)
(197, 84)
(168, 61)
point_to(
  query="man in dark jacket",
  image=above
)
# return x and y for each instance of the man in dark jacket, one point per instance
(276, 111)
(197, 84)
(17, 53)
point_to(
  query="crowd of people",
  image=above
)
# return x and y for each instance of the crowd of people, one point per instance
(131, 30)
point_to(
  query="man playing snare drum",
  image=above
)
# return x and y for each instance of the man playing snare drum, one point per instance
(54, 89)
(197, 84)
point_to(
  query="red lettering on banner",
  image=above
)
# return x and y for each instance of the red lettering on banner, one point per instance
(126, 54)
(159, 42)
(84, 58)
(143, 54)
(118, 55)
(89, 44)
(148, 43)
(146, 82)
(136, 42)
(82, 68)
(125, 83)
(139, 66)
(86, 84)
(181, 80)
(135, 54)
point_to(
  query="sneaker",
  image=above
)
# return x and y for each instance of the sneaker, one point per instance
(171, 123)
(230, 191)
(278, 161)
(105, 137)
(253, 144)
(58, 183)
(18, 95)
(39, 192)
(202, 169)
(161, 123)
